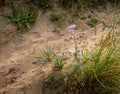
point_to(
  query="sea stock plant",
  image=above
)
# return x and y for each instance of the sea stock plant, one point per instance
(76, 53)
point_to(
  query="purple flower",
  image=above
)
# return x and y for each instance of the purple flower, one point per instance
(69, 51)
(72, 26)
(78, 54)
(71, 31)
(78, 50)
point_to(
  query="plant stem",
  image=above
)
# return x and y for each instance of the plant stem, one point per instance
(76, 48)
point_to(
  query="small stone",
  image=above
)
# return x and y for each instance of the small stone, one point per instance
(38, 62)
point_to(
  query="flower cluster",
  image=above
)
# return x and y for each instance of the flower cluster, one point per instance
(71, 29)
(72, 53)
(76, 53)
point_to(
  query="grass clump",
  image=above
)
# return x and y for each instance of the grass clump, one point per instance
(49, 54)
(100, 75)
(94, 21)
(44, 4)
(96, 77)
(22, 17)
(58, 62)
(84, 4)
(66, 3)
(97, 72)
(57, 17)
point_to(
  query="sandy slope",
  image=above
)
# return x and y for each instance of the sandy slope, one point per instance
(18, 74)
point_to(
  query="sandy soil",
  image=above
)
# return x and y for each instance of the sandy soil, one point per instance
(18, 73)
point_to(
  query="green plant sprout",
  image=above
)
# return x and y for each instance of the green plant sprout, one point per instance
(58, 62)
(55, 17)
(49, 54)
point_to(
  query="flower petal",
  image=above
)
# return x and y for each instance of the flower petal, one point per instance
(71, 31)
(72, 26)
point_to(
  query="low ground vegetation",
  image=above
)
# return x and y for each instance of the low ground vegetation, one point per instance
(23, 18)
(90, 72)
(24, 13)
(95, 72)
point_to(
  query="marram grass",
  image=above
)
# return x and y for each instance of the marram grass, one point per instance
(99, 75)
